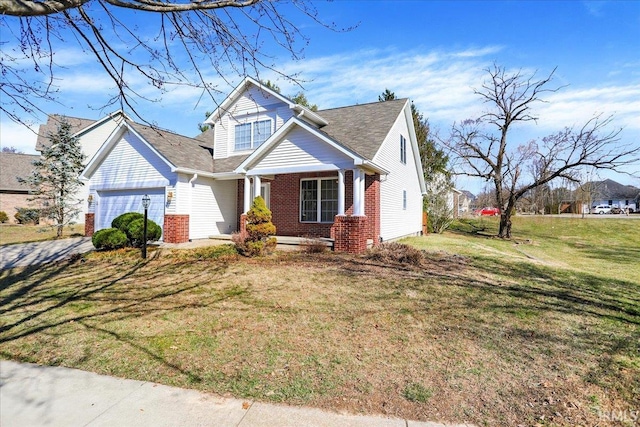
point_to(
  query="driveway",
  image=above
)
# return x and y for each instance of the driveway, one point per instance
(26, 254)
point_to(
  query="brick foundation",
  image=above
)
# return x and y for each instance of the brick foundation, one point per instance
(176, 228)
(89, 224)
(350, 234)
(243, 224)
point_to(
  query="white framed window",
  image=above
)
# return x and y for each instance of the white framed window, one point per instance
(404, 200)
(318, 199)
(251, 135)
(403, 149)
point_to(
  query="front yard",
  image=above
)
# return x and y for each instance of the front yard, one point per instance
(18, 233)
(488, 332)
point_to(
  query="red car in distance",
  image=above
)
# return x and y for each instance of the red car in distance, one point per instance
(487, 211)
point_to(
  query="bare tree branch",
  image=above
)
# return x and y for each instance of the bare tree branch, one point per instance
(192, 42)
(48, 7)
(490, 154)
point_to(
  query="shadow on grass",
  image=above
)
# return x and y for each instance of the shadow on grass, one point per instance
(39, 302)
(622, 255)
(522, 312)
(567, 291)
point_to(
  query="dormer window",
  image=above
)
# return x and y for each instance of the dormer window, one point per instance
(251, 135)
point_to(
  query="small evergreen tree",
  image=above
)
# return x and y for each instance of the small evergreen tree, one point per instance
(55, 178)
(258, 238)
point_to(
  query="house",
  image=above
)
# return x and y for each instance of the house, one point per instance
(13, 194)
(352, 174)
(606, 192)
(91, 135)
(466, 203)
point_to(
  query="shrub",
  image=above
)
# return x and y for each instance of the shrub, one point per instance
(256, 240)
(3, 217)
(121, 222)
(396, 252)
(108, 239)
(312, 245)
(135, 231)
(27, 216)
(259, 225)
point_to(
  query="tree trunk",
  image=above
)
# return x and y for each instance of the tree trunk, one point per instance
(505, 225)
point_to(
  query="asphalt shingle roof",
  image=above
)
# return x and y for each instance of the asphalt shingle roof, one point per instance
(362, 128)
(13, 166)
(181, 151)
(51, 127)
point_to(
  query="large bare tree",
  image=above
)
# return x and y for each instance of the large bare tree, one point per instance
(483, 147)
(165, 43)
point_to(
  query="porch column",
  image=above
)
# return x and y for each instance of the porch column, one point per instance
(358, 192)
(340, 192)
(362, 193)
(247, 194)
(256, 186)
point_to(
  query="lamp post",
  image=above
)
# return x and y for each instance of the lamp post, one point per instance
(146, 201)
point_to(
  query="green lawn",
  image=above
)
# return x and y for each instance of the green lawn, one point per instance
(593, 245)
(541, 330)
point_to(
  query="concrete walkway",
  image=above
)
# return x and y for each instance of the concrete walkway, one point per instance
(32, 395)
(26, 254)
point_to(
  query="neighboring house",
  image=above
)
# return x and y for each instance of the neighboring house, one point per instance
(454, 201)
(606, 192)
(352, 174)
(13, 194)
(91, 135)
(466, 203)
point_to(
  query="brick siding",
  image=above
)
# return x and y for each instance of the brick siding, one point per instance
(89, 224)
(176, 228)
(350, 234)
(10, 202)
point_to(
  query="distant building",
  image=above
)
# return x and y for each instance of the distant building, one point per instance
(606, 192)
(466, 203)
(13, 194)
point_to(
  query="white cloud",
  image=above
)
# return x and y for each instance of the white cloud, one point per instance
(19, 136)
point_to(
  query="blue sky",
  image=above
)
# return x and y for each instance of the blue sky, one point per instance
(433, 52)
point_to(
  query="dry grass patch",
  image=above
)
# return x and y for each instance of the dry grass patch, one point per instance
(454, 338)
(13, 233)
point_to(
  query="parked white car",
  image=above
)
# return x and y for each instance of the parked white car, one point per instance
(601, 209)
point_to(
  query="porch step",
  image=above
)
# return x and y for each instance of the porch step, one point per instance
(285, 240)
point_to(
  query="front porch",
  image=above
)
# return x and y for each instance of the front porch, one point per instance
(346, 211)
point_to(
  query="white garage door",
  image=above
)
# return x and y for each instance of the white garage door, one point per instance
(114, 203)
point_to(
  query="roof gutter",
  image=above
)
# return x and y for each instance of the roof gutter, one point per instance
(194, 172)
(371, 166)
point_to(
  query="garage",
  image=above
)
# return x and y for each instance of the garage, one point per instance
(113, 203)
